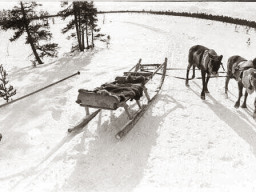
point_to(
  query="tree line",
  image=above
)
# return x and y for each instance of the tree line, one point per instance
(221, 18)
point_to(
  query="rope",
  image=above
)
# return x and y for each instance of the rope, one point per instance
(183, 78)
(174, 69)
(25, 96)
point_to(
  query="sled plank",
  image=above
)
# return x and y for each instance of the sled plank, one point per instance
(146, 74)
(150, 65)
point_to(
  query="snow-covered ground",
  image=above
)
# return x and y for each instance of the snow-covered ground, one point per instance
(181, 143)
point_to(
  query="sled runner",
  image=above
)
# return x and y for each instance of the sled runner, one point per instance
(130, 86)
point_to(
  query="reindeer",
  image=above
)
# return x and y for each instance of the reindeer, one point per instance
(244, 72)
(205, 60)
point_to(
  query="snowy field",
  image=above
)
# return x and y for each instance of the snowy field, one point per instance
(180, 144)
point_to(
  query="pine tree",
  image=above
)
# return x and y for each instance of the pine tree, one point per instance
(93, 21)
(72, 9)
(84, 19)
(5, 91)
(24, 19)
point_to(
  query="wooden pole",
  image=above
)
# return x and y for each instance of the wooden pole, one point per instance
(23, 97)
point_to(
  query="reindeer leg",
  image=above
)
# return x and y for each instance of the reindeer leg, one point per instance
(254, 113)
(245, 98)
(240, 93)
(203, 89)
(188, 68)
(194, 68)
(226, 85)
(206, 83)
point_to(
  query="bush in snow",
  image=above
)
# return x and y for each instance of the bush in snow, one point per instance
(5, 91)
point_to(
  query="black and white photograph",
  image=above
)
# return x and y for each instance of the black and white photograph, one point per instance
(127, 96)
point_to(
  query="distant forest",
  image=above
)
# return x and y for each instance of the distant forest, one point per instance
(220, 18)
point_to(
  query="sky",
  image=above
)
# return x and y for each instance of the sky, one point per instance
(54, 6)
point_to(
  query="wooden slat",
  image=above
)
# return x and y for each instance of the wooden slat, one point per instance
(146, 74)
(162, 66)
(156, 73)
(149, 65)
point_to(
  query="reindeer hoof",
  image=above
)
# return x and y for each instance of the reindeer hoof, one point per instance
(206, 91)
(254, 115)
(244, 106)
(202, 97)
(226, 95)
(237, 105)
(187, 85)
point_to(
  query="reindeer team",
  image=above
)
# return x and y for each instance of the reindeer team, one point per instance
(238, 68)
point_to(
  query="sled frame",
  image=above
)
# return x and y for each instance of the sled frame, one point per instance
(147, 70)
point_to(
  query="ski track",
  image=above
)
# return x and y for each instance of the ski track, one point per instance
(181, 143)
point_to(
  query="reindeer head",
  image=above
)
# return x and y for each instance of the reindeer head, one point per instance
(214, 63)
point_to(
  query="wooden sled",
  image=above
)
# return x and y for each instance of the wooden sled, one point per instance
(91, 99)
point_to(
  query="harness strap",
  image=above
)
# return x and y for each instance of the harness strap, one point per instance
(250, 84)
(204, 58)
(246, 80)
(223, 67)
